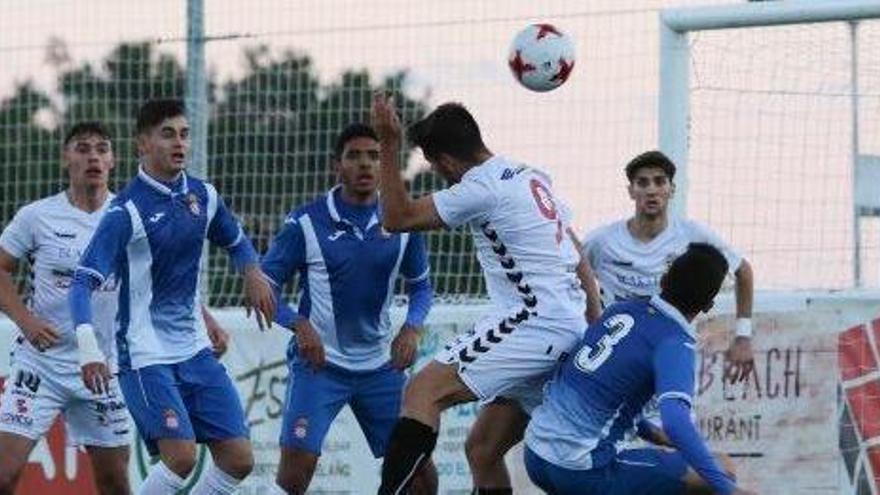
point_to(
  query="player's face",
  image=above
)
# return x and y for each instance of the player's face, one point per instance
(651, 189)
(358, 167)
(88, 159)
(164, 148)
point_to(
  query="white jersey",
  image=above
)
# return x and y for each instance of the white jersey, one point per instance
(52, 234)
(518, 228)
(628, 268)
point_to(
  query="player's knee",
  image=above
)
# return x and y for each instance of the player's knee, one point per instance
(478, 450)
(295, 481)
(239, 466)
(181, 464)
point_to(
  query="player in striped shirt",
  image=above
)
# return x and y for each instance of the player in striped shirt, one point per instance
(151, 239)
(639, 349)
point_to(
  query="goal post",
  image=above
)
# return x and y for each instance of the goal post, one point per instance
(674, 105)
(677, 23)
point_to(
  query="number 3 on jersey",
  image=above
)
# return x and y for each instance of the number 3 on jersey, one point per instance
(590, 358)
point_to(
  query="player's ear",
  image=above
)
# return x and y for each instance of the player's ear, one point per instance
(630, 190)
(671, 188)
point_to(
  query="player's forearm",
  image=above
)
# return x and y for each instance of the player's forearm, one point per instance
(395, 199)
(684, 436)
(421, 296)
(591, 289)
(80, 297)
(10, 300)
(243, 255)
(745, 290)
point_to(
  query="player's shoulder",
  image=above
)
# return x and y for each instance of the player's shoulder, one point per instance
(605, 234)
(693, 229)
(313, 208)
(50, 204)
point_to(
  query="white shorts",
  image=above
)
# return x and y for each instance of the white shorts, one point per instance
(512, 357)
(33, 397)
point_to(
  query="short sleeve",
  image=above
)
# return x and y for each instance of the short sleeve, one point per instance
(674, 365)
(18, 237)
(701, 233)
(414, 266)
(465, 201)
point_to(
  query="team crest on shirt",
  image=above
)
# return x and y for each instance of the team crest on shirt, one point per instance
(301, 428)
(193, 201)
(171, 421)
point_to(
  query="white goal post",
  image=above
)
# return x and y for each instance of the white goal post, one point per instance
(676, 24)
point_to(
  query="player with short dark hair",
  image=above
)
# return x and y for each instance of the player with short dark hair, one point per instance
(519, 230)
(152, 239)
(629, 256)
(344, 351)
(638, 349)
(44, 381)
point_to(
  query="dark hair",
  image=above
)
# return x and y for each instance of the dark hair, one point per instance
(694, 278)
(650, 159)
(449, 129)
(153, 112)
(352, 131)
(94, 128)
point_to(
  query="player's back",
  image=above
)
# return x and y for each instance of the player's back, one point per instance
(597, 394)
(526, 256)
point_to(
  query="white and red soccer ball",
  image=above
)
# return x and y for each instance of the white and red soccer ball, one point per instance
(541, 57)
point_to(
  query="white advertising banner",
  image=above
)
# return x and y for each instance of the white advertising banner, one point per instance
(786, 426)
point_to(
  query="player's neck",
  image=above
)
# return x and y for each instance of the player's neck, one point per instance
(160, 175)
(357, 199)
(646, 228)
(88, 199)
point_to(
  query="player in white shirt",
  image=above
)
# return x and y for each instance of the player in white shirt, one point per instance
(629, 256)
(529, 264)
(44, 379)
(51, 234)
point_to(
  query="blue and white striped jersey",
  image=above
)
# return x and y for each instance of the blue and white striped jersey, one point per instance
(151, 238)
(636, 350)
(347, 265)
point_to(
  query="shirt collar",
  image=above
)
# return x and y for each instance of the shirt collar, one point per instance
(673, 312)
(161, 186)
(334, 212)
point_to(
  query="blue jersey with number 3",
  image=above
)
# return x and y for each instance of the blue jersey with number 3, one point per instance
(637, 349)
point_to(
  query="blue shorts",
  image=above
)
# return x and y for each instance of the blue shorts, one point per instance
(314, 398)
(190, 400)
(634, 472)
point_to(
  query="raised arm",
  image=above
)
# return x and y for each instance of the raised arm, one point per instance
(400, 213)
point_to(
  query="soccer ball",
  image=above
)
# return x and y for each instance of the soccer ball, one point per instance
(541, 57)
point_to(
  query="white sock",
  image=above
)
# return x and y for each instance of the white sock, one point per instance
(161, 481)
(215, 482)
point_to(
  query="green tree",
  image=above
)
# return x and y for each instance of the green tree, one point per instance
(270, 137)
